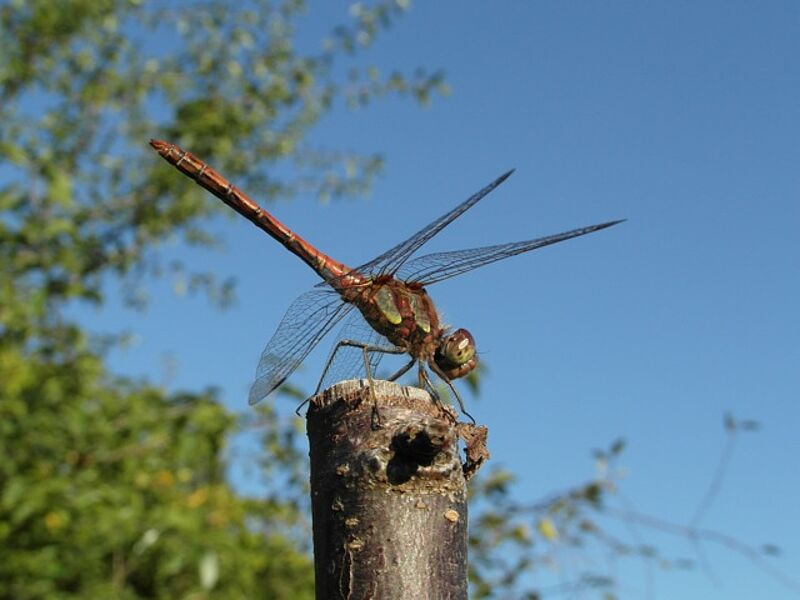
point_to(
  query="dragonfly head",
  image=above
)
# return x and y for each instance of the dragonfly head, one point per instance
(456, 354)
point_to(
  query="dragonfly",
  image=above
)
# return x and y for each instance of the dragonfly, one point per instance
(384, 300)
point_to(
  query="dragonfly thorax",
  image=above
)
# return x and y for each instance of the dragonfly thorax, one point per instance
(406, 315)
(403, 313)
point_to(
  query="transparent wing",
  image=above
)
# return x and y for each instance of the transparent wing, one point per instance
(439, 266)
(305, 323)
(347, 362)
(391, 260)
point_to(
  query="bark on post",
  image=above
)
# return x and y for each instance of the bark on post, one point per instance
(389, 503)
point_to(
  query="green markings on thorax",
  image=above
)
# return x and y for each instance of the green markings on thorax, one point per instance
(388, 306)
(420, 314)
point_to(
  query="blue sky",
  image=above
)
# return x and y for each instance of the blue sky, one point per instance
(683, 117)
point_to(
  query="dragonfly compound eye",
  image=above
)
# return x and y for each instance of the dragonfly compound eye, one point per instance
(456, 354)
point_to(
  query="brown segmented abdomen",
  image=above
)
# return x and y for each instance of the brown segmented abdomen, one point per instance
(205, 176)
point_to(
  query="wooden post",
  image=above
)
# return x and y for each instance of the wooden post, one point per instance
(389, 502)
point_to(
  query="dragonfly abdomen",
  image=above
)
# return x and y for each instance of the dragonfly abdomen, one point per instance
(206, 176)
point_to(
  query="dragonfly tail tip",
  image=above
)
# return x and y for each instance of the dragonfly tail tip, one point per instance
(158, 145)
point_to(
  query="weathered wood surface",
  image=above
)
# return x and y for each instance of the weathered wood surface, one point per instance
(389, 502)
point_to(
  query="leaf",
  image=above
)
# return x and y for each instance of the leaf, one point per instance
(14, 153)
(60, 190)
(149, 538)
(209, 570)
(617, 446)
(547, 529)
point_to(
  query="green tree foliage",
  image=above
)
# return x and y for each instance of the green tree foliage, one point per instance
(111, 488)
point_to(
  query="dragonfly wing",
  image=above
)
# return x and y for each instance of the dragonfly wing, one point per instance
(391, 260)
(305, 323)
(347, 362)
(439, 266)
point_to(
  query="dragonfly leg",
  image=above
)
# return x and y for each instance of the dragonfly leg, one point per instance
(300, 407)
(365, 349)
(425, 383)
(402, 370)
(446, 379)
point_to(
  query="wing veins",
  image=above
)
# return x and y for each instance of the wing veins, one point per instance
(393, 259)
(439, 266)
(295, 338)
